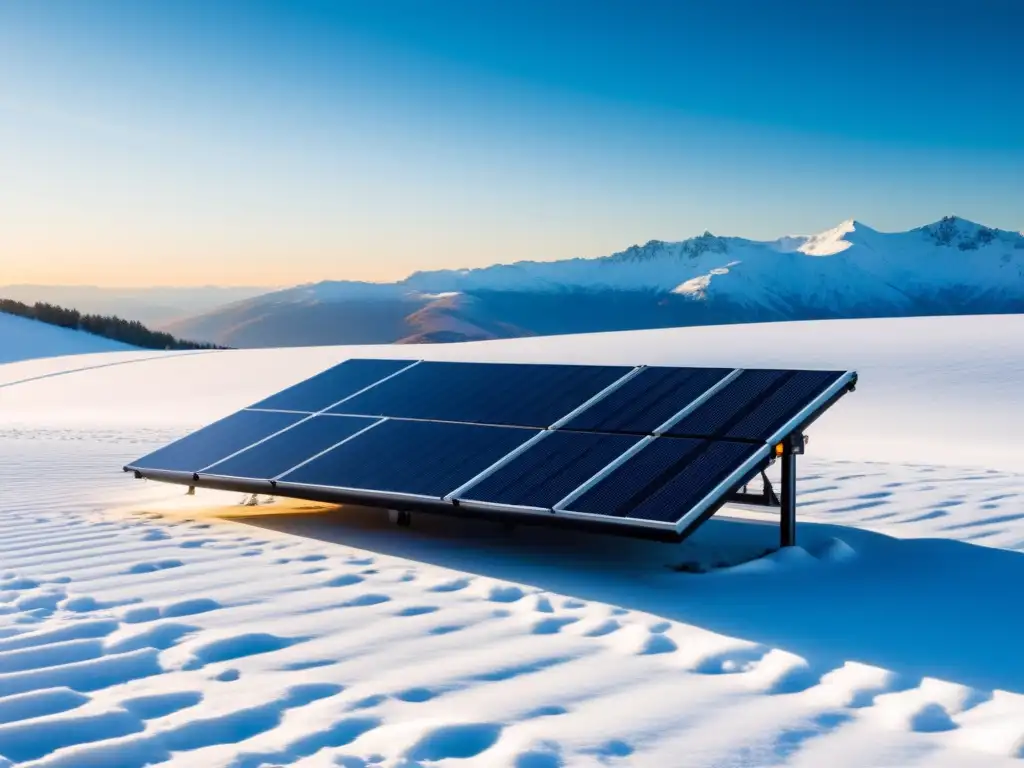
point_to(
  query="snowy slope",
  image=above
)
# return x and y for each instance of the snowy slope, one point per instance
(945, 389)
(24, 339)
(139, 626)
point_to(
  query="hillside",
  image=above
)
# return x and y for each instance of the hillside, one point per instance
(152, 306)
(128, 332)
(951, 267)
(143, 626)
(24, 339)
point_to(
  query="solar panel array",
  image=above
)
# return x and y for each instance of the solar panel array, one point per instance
(648, 447)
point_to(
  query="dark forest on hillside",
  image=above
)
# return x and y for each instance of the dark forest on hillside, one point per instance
(109, 326)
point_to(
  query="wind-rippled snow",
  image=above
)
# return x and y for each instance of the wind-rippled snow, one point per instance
(139, 626)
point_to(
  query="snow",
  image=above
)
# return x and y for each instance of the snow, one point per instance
(830, 242)
(23, 339)
(141, 626)
(859, 265)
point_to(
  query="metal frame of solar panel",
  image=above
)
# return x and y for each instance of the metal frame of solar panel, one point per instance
(641, 451)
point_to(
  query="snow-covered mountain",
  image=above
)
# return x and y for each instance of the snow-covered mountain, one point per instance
(953, 266)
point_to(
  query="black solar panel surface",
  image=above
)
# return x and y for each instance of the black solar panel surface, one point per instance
(216, 441)
(332, 385)
(648, 400)
(755, 404)
(665, 480)
(551, 469)
(485, 393)
(450, 421)
(290, 448)
(417, 457)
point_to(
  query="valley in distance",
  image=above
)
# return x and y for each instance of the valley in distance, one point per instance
(950, 267)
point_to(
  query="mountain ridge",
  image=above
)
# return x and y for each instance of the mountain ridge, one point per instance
(951, 266)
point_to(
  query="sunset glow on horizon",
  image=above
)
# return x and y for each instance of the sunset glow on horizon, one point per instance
(197, 143)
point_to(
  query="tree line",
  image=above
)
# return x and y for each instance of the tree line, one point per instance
(109, 326)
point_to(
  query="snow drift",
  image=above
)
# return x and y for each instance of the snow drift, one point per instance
(139, 626)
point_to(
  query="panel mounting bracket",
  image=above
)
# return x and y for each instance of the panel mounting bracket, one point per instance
(767, 497)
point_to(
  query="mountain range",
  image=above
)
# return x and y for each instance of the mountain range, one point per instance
(950, 267)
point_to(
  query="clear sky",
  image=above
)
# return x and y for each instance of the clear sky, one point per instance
(193, 142)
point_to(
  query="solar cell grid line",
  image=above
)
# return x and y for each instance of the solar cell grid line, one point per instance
(531, 395)
(647, 400)
(754, 404)
(602, 473)
(799, 389)
(668, 479)
(415, 458)
(497, 465)
(541, 476)
(511, 394)
(279, 453)
(282, 410)
(716, 414)
(686, 410)
(600, 396)
(843, 383)
(754, 463)
(368, 387)
(334, 385)
(217, 441)
(372, 423)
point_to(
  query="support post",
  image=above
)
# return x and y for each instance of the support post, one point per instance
(791, 447)
(400, 517)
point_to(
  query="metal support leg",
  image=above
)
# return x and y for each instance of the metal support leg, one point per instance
(400, 517)
(787, 521)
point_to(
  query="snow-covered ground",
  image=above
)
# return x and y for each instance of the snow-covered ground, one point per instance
(141, 626)
(24, 339)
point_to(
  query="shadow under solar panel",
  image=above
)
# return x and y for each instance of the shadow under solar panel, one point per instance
(217, 441)
(485, 393)
(334, 384)
(411, 457)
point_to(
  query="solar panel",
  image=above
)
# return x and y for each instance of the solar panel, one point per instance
(548, 471)
(411, 457)
(217, 441)
(648, 400)
(666, 479)
(485, 393)
(648, 451)
(334, 384)
(755, 404)
(288, 449)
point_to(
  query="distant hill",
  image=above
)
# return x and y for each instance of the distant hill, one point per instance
(950, 267)
(152, 306)
(86, 329)
(25, 339)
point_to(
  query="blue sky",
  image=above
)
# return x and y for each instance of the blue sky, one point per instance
(205, 141)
